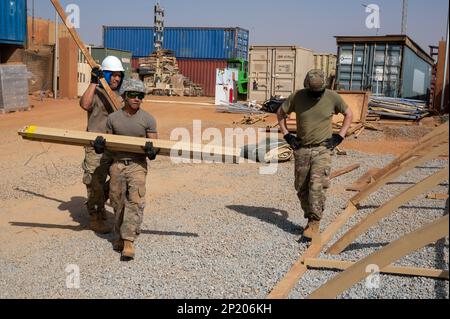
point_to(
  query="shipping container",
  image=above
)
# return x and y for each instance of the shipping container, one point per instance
(13, 22)
(186, 42)
(392, 66)
(277, 70)
(202, 72)
(326, 62)
(99, 54)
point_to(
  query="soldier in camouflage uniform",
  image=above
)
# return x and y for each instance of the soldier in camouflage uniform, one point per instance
(129, 170)
(96, 166)
(314, 143)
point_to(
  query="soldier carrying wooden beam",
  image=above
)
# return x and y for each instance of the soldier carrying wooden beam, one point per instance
(96, 103)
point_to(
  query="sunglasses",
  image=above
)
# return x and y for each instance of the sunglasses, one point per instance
(133, 95)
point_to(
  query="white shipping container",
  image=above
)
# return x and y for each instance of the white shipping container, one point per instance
(277, 70)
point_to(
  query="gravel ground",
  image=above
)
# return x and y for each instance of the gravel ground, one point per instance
(215, 231)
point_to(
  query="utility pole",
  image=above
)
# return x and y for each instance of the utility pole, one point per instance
(32, 24)
(404, 17)
(55, 67)
(444, 85)
(158, 35)
(158, 39)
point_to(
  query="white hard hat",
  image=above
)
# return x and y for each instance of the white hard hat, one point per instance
(113, 64)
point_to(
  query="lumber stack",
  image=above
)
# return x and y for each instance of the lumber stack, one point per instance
(397, 108)
(161, 76)
(131, 144)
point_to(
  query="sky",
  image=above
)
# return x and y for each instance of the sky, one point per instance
(309, 24)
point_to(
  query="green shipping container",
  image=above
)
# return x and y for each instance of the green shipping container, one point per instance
(99, 54)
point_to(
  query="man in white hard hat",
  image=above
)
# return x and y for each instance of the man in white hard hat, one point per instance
(96, 164)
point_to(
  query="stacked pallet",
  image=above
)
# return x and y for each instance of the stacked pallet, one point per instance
(13, 88)
(161, 76)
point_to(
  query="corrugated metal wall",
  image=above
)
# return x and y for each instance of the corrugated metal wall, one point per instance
(416, 76)
(388, 68)
(202, 72)
(13, 22)
(277, 70)
(187, 43)
(138, 40)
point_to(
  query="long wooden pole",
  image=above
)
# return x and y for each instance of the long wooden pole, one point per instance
(317, 263)
(383, 257)
(115, 103)
(387, 209)
(132, 144)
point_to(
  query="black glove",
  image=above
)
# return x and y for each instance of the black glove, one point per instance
(334, 141)
(150, 152)
(292, 141)
(99, 145)
(96, 75)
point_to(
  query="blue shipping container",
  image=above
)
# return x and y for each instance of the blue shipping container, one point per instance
(393, 66)
(187, 43)
(13, 21)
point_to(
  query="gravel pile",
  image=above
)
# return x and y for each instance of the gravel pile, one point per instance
(226, 232)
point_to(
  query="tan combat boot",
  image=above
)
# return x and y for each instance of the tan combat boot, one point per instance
(312, 230)
(128, 249)
(98, 225)
(118, 244)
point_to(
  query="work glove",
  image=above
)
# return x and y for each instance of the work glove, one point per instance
(334, 141)
(99, 145)
(96, 75)
(292, 141)
(150, 152)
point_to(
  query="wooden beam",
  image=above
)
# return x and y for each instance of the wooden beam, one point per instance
(386, 209)
(298, 269)
(115, 103)
(397, 167)
(343, 171)
(363, 181)
(398, 170)
(129, 144)
(437, 196)
(316, 263)
(383, 257)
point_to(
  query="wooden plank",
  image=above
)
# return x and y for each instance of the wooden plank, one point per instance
(354, 128)
(128, 143)
(437, 196)
(114, 101)
(363, 181)
(440, 134)
(386, 209)
(399, 170)
(345, 170)
(383, 257)
(358, 102)
(316, 263)
(298, 269)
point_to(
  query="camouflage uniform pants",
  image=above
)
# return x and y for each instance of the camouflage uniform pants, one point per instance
(95, 167)
(127, 195)
(312, 179)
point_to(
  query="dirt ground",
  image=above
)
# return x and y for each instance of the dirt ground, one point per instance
(24, 165)
(17, 155)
